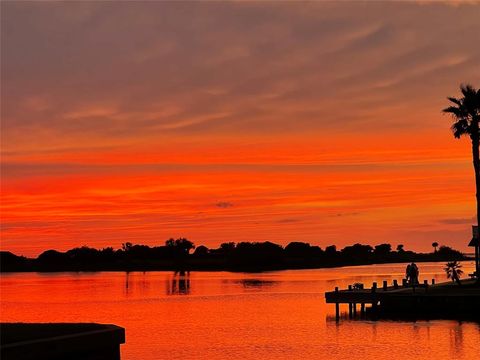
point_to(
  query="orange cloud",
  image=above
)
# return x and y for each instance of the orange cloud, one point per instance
(313, 122)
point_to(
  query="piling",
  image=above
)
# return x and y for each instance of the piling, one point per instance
(337, 307)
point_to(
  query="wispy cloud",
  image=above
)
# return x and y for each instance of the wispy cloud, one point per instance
(269, 64)
(224, 204)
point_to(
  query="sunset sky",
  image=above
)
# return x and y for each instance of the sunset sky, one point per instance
(317, 122)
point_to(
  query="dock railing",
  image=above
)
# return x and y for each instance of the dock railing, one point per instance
(357, 294)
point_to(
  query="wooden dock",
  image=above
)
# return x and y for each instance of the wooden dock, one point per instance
(425, 298)
(59, 341)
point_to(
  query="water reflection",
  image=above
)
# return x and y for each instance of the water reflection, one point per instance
(255, 283)
(127, 282)
(136, 283)
(179, 284)
(456, 339)
(247, 316)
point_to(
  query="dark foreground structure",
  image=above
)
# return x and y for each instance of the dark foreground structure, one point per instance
(22, 341)
(424, 301)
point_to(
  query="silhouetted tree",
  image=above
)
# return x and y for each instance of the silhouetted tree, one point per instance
(108, 253)
(182, 246)
(466, 114)
(383, 249)
(140, 252)
(227, 247)
(51, 259)
(435, 245)
(247, 256)
(201, 250)
(400, 248)
(297, 249)
(357, 252)
(453, 271)
(126, 246)
(447, 253)
(257, 255)
(84, 255)
(12, 262)
(331, 250)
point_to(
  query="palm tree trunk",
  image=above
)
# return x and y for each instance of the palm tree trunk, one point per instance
(476, 166)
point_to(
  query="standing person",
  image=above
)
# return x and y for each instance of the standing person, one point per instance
(407, 273)
(415, 273)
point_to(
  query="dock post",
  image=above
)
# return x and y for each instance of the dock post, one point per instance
(337, 306)
(425, 282)
(374, 303)
(374, 308)
(433, 281)
(350, 305)
(385, 285)
(395, 284)
(404, 282)
(354, 309)
(362, 308)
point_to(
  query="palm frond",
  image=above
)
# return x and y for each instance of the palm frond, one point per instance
(467, 90)
(465, 112)
(455, 101)
(459, 129)
(455, 111)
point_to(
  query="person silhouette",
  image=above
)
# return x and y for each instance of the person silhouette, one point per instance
(407, 273)
(413, 275)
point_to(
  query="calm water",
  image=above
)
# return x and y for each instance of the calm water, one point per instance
(222, 315)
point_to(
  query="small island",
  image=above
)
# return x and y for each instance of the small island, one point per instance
(182, 255)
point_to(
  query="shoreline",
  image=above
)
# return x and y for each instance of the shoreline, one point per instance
(240, 269)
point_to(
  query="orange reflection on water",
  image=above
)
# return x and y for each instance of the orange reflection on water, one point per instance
(218, 315)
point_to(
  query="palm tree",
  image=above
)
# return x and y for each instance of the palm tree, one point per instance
(435, 245)
(466, 114)
(453, 271)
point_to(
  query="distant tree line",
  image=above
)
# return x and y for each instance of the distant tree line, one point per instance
(181, 254)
